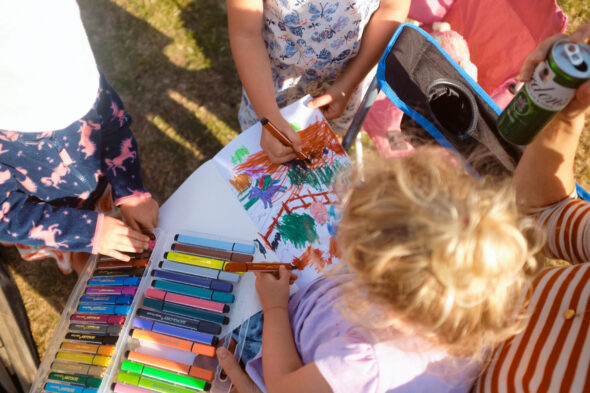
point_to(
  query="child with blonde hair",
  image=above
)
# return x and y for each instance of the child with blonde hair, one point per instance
(433, 261)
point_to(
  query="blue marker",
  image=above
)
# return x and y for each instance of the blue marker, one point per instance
(198, 281)
(106, 299)
(175, 331)
(104, 309)
(118, 281)
(216, 244)
(200, 271)
(64, 388)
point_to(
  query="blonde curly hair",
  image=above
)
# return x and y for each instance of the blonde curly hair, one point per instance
(431, 245)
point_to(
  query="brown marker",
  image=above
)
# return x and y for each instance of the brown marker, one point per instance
(242, 267)
(284, 139)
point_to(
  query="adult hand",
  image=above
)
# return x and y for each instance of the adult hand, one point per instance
(274, 149)
(333, 102)
(273, 288)
(240, 380)
(141, 214)
(116, 237)
(581, 100)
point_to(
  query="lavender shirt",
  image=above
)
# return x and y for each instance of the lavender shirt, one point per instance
(350, 360)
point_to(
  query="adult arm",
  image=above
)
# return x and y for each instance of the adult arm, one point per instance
(545, 173)
(384, 21)
(245, 21)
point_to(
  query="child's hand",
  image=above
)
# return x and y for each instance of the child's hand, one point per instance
(240, 380)
(333, 102)
(141, 214)
(116, 238)
(273, 288)
(274, 149)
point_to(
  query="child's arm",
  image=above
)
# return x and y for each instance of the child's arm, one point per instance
(545, 173)
(32, 222)
(253, 65)
(283, 370)
(120, 163)
(376, 35)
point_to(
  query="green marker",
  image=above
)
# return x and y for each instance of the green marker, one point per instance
(146, 371)
(161, 386)
(128, 378)
(90, 382)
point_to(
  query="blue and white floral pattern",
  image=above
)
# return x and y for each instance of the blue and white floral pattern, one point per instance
(309, 43)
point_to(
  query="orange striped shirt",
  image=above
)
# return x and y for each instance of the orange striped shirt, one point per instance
(552, 354)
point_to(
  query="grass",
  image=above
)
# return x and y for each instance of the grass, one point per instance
(171, 63)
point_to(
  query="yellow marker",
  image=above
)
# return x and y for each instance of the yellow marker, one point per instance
(75, 357)
(101, 360)
(82, 347)
(96, 371)
(195, 260)
(69, 368)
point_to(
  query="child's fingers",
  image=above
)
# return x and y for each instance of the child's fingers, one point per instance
(537, 56)
(319, 101)
(239, 378)
(295, 138)
(117, 255)
(292, 278)
(579, 104)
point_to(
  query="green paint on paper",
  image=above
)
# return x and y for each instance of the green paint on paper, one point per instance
(299, 229)
(239, 155)
(295, 126)
(251, 202)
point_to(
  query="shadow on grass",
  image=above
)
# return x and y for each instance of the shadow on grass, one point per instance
(131, 53)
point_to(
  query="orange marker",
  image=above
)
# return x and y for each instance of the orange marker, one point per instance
(198, 348)
(284, 139)
(242, 267)
(171, 365)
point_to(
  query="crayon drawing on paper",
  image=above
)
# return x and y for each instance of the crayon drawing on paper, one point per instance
(293, 205)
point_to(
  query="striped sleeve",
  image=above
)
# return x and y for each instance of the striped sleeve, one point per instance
(567, 224)
(552, 353)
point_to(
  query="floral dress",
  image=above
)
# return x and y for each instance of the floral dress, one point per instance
(309, 44)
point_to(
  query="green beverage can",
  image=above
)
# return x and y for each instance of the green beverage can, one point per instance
(551, 88)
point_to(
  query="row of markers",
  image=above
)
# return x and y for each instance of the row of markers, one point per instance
(94, 327)
(177, 325)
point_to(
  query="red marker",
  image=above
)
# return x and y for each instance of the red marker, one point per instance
(242, 267)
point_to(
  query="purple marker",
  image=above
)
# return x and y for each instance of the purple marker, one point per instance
(175, 331)
(111, 290)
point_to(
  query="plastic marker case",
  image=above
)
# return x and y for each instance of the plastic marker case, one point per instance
(148, 327)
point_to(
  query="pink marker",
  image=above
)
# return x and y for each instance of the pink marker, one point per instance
(151, 244)
(186, 300)
(98, 318)
(122, 388)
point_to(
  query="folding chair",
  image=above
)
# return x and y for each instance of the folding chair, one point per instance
(493, 29)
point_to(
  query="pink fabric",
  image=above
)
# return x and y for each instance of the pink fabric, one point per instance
(429, 11)
(494, 29)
